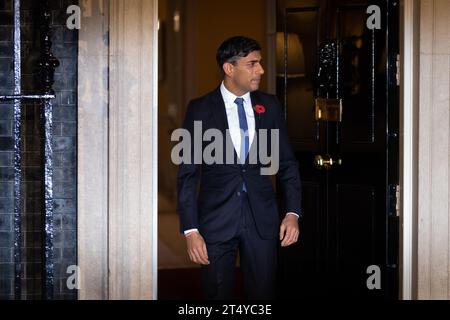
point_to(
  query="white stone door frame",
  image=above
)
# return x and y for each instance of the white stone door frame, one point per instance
(117, 149)
(409, 79)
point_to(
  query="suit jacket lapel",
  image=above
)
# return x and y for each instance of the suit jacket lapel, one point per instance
(255, 97)
(258, 117)
(218, 111)
(220, 117)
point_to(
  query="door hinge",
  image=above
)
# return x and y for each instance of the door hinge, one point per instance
(397, 202)
(397, 70)
(394, 200)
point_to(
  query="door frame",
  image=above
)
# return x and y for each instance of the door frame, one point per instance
(409, 143)
(117, 150)
(409, 37)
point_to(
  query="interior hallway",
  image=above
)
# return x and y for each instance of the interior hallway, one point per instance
(172, 252)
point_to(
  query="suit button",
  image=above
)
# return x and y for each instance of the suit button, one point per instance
(243, 170)
(239, 193)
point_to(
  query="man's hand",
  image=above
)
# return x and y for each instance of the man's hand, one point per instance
(289, 230)
(196, 248)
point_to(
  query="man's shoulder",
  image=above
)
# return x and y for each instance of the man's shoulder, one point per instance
(263, 94)
(215, 95)
(206, 98)
(269, 101)
(265, 97)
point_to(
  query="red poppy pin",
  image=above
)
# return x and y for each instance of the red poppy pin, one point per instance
(260, 109)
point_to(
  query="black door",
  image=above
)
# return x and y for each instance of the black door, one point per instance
(337, 51)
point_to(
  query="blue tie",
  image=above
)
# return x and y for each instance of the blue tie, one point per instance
(245, 141)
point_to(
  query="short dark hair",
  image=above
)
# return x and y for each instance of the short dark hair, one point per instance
(235, 48)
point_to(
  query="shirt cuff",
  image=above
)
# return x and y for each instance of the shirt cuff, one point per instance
(186, 232)
(294, 214)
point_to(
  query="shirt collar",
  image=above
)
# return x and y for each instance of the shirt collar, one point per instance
(229, 97)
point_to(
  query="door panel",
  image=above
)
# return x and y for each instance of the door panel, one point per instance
(299, 82)
(356, 75)
(348, 225)
(362, 83)
(355, 232)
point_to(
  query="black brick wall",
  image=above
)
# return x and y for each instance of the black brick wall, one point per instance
(6, 154)
(64, 145)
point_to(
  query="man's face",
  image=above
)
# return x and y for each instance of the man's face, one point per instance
(246, 73)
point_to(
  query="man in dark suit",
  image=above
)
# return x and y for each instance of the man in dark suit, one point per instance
(235, 208)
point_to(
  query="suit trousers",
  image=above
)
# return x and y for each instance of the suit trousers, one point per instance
(258, 261)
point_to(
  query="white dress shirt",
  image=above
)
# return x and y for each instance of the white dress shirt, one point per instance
(231, 109)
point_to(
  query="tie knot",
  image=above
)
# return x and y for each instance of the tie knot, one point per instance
(239, 102)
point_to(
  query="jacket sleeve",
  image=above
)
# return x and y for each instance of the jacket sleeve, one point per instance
(288, 172)
(188, 175)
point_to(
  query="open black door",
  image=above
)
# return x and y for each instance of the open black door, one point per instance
(337, 81)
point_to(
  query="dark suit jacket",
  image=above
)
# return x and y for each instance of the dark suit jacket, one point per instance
(215, 208)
